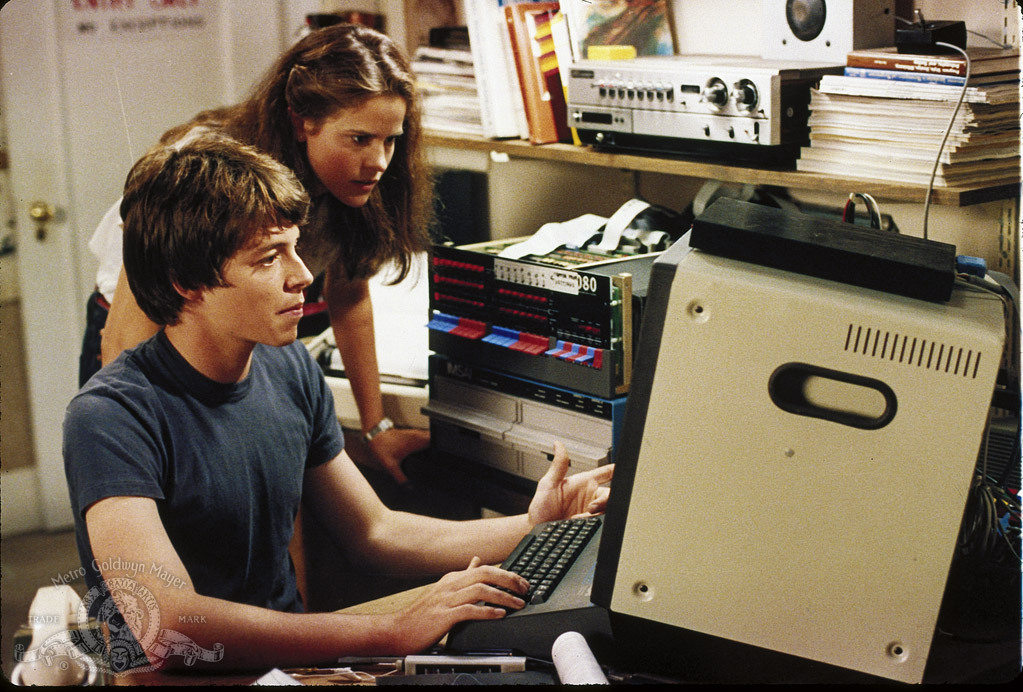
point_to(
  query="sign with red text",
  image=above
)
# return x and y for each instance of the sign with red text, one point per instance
(135, 19)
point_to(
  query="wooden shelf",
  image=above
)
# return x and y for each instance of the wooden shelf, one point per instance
(694, 168)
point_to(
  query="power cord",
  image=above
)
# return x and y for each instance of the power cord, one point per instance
(991, 526)
(992, 522)
(849, 211)
(948, 130)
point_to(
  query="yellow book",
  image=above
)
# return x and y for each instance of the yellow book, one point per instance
(610, 52)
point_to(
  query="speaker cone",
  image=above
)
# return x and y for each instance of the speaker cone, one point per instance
(806, 18)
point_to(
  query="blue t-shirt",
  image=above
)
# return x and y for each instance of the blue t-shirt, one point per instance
(225, 463)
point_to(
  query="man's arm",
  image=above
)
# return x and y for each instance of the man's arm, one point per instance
(351, 316)
(127, 326)
(344, 501)
(341, 498)
(258, 637)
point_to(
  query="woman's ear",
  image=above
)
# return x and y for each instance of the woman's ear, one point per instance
(298, 126)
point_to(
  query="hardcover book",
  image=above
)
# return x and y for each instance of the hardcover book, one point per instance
(541, 85)
(983, 60)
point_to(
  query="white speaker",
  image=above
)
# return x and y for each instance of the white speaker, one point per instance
(824, 31)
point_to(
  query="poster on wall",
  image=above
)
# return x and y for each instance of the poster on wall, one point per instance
(642, 24)
(135, 19)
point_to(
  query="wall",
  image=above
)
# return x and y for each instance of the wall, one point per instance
(17, 460)
(115, 97)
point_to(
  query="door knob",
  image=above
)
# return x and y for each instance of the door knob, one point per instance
(41, 213)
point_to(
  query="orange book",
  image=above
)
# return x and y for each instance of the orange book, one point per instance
(542, 94)
(552, 74)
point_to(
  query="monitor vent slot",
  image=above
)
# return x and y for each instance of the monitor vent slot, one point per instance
(912, 351)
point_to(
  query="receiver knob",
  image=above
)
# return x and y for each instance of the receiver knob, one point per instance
(715, 94)
(744, 95)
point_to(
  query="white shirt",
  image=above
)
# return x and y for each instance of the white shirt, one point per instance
(106, 244)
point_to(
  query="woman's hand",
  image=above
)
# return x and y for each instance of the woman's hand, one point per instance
(390, 448)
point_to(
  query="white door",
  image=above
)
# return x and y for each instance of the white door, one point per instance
(87, 87)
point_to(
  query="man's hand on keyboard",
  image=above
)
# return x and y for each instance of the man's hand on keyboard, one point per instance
(480, 592)
(559, 496)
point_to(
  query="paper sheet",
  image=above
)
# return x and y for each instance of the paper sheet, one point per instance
(575, 662)
(277, 677)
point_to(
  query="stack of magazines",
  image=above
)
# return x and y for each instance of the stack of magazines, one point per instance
(885, 117)
(447, 85)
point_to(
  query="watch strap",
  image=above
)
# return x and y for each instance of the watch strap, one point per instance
(384, 425)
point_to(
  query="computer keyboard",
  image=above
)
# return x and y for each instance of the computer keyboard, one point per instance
(558, 559)
(543, 558)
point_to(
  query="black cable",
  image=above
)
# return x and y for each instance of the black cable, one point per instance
(1012, 454)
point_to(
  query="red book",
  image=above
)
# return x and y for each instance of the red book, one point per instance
(550, 69)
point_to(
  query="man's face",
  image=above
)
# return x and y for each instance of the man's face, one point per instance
(350, 150)
(262, 301)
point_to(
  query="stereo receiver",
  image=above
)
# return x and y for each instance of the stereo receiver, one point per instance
(740, 107)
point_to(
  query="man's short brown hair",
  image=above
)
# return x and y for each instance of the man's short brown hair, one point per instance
(187, 209)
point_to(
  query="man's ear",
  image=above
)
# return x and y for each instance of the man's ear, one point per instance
(191, 295)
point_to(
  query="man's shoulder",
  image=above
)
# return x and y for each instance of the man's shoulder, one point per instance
(124, 382)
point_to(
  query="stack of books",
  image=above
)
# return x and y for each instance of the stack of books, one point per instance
(529, 27)
(447, 86)
(885, 117)
(523, 49)
(516, 46)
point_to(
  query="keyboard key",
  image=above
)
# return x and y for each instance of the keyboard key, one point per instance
(550, 554)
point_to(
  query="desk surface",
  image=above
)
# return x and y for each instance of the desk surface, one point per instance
(977, 660)
(988, 664)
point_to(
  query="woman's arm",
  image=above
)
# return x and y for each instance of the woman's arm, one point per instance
(127, 326)
(351, 317)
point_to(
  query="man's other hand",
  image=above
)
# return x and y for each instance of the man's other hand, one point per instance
(560, 496)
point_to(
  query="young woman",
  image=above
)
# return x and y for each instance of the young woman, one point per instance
(340, 109)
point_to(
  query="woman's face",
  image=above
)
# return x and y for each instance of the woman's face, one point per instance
(350, 150)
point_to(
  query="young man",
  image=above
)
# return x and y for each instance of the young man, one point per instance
(188, 456)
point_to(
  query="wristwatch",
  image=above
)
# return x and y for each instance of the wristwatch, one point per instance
(384, 425)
